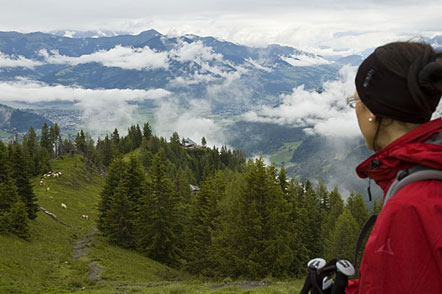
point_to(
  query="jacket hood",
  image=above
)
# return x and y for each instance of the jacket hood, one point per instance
(423, 145)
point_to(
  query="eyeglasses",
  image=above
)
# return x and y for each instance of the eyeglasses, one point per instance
(352, 101)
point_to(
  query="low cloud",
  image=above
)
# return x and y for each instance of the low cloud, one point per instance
(17, 61)
(304, 60)
(144, 58)
(194, 52)
(119, 56)
(258, 65)
(322, 113)
(192, 122)
(101, 109)
(24, 90)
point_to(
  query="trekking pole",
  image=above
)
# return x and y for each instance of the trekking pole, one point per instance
(327, 284)
(313, 266)
(344, 269)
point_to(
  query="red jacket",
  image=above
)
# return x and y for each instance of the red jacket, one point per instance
(404, 251)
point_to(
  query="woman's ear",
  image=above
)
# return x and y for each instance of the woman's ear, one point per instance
(371, 116)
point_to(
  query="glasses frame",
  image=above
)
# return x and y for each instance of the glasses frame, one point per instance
(352, 101)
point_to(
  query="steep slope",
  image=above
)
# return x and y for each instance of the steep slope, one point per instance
(68, 254)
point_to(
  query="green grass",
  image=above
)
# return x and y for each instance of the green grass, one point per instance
(285, 153)
(45, 263)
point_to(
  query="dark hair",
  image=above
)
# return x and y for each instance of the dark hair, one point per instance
(420, 65)
(401, 81)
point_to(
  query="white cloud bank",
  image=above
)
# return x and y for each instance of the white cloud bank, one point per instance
(32, 91)
(305, 60)
(17, 61)
(320, 113)
(142, 58)
(205, 65)
(101, 109)
(119, 56)
(192, 123)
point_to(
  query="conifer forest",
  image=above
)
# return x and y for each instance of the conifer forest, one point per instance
(206, 211)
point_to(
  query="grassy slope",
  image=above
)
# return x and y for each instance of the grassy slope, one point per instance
(45, 264)
(285, 153)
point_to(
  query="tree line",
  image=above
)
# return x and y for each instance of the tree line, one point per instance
(204, 210)
(19, 161)
(17, 199)
(248, 221)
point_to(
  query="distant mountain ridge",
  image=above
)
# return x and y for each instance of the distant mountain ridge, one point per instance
(192, 65)
(18, 121)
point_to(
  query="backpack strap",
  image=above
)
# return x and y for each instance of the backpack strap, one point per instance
(414, 174)
(367, 226)
(403, 178)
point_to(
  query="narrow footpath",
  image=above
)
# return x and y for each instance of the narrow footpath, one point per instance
(81, 249)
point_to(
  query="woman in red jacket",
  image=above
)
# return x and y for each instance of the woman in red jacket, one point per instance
(398, 88)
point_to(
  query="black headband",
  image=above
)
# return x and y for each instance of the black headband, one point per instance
(386, 94)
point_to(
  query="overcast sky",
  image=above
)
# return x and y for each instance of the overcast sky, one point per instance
(341, 24)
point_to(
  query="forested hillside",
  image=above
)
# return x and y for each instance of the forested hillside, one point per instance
(202, 211)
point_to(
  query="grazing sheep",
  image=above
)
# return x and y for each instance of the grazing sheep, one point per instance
(47, 189)
(42, 183)
(84, 216)
(64, 206)
(52, 198)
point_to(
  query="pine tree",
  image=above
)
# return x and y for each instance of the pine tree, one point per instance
(343, 238)
(117, 170)
(31, 152)
(43, 161)
(22, 180)
(45, 140)
(282, 179)
(134, 181)
(54, 136)
(312, 237)
(198, 231)
(107, 151)
(356, 206)
(17, 220)
(147, 131)
(256, 226)
(119, 220)
(8, 191)
(157, 218)
(115, 138)
(182, 199)
(138, 136)
(80, 142)
(336, 209)
(297, 221)
(323, 196)
(12, 208)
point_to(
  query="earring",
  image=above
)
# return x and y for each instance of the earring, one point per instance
(370, 119)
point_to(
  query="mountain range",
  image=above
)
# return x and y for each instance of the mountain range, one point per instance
(230, 79)
(188, 66)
